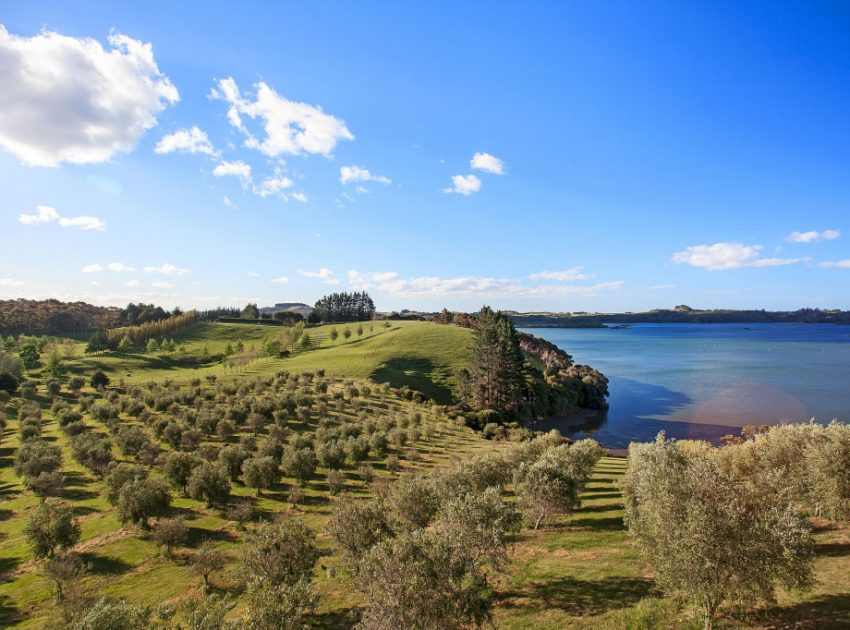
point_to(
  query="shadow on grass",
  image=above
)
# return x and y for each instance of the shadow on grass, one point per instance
(613, 523)
(826, 612)
(5, 515)
(196, 536)
(604, 494)
(583, 597)
(8, 564)
(104, 565)
(415, 373)
(336, 619)
(833, 550)
(8, 611)
(590, 509)
(76, 488)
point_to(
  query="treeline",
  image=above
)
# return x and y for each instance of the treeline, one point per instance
(681, 315)
(137, 336)
(343, 307)
(502, 384)
(37, 317)
(214, 314)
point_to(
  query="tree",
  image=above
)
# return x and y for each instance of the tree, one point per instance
(51, 526)
(46, 484)
(99, 379)
(497, 374)
(151, 346)
(65, 571)
(260, 473)
(334, 335)
(346, 332)
(8, 383)
(208, 612)
(359, 330)
(210, 483)
(299, 463)
(547, 486)
(710, 533)
(54, 368)
(125, 345)
(207, 560)
(141, 499)
(279, 606)
(98, 342)
(251, 312)
(357, 526)
(231, 459)
(76, 383)
(284, 552)
(178, 468)
(92, 450)
(109, 615)
(169, 533)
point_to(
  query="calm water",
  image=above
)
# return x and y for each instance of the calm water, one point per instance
(704, 381)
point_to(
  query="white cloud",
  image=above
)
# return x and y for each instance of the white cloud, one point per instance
(168, 270)
(325, 275)
(434, 286)
(234, 169)
(464, 185)
(291, 127)
(486, 162)
(253, 274)
(119, 267)
(353, 174)
(226, 201)
(280, 280)
(46, 214)
(93, 268)
(723, 256)
(662, 287)
(272, 186)
(132, 283)
(8, 282)
(43, 214)
(299, 196)
(567, 275)
(836, 264)
(67, 99)
(192, 140)
(83, 222)
(812, 236)
(161, 285)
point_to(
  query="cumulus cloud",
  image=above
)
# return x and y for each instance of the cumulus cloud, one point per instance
(280, 280)
(93, 268)
(354, 174)
(464, 185)
(325, 275)
(67, 99)
(836, 264)
(272, 186)
(168, 270)
(812, 236)
(567, 275)
(9, 282)
(486, 162)
(46, 214)
(290, 127)
(435, 286)
(119, 267)
(192, 140)
(234, 169)
(723, 256)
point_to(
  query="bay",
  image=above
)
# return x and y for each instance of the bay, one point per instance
(702, 381)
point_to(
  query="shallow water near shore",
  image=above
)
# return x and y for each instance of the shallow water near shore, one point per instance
(705, 380)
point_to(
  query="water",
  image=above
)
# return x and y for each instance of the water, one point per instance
(704, 381)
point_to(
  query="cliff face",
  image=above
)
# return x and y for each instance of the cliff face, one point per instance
(564, 385)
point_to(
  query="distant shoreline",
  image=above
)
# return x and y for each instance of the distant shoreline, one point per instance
(680, 315)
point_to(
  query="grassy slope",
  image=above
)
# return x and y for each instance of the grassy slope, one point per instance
(420, 355)
(582, 572)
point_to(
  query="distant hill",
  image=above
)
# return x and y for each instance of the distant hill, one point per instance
(287, 307)
(680, 315)
(52, 316)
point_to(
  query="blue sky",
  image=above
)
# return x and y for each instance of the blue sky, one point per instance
(629, 155)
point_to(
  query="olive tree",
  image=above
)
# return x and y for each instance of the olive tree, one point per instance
(50, 527)
(708, 533)
(280, 553)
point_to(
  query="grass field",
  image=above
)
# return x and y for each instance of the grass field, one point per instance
(581, 572)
